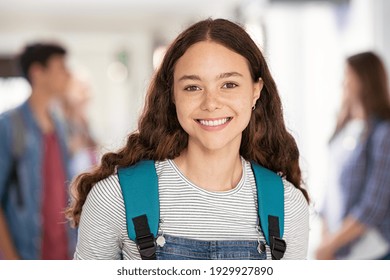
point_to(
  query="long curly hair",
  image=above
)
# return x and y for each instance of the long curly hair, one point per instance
(160, 136)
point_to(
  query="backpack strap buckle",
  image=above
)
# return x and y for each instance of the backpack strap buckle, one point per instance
(144, 238)
(278, 247)
(146, 247)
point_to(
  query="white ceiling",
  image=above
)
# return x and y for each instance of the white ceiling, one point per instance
(105, 13)
(111, 5)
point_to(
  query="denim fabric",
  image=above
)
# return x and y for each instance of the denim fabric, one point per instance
(178, 248)
(365, 181)
(24, 221)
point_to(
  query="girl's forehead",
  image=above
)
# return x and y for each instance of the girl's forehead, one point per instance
(210, 58)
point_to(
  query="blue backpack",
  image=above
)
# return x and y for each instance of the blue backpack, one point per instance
(139, 184)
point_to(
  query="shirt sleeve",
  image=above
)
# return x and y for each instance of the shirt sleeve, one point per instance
(374, 203)
(101, 223)
(296, 223)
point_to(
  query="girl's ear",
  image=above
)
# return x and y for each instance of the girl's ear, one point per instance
(257, 87)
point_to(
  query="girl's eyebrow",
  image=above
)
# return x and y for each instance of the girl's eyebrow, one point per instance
(190, 77)
(229, 74)
(220, 76)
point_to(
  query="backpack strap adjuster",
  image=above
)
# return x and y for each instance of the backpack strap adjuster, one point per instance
(144, 238)
(278, 247)
(146, 247)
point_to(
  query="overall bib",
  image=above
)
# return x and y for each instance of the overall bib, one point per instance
(178, 248)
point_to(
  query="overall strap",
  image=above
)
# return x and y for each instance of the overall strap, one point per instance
(270, 200)
(139, 186)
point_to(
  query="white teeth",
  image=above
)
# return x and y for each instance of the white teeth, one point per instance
(214, 123)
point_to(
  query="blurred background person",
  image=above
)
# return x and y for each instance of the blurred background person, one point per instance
(34, 163)
(82, 145)
(356, 209)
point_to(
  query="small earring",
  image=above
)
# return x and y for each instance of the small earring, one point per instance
(253, 107)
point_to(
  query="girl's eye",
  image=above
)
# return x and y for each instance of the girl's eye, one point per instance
(191, 88)
(229, 85)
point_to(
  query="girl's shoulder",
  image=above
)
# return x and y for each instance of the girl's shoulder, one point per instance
(293, 196)
(380, 138)
(107, 188)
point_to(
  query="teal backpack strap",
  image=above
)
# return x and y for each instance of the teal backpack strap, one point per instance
(139, 186)
(270, 200)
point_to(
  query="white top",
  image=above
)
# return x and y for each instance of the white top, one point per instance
(188, 211)
(340, 151)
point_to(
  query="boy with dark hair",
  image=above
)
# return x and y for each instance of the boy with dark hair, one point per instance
(34, 163)
(38, 53)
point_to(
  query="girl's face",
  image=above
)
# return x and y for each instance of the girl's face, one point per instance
(214, 94)
(352, 85)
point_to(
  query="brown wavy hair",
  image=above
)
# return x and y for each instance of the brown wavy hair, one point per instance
(160, 136)
(374, 95)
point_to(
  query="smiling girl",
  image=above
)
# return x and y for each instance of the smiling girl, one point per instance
(211, 109)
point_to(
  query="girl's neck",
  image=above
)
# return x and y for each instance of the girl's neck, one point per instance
(213, 171)
(357, 111)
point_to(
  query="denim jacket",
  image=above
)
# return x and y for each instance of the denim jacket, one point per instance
(25, 221)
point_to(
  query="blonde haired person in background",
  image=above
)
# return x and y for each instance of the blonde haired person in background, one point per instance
(73, 106)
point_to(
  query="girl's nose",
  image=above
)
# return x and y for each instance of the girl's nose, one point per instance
(210, 101)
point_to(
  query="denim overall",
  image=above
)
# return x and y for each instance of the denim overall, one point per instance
(178, 248)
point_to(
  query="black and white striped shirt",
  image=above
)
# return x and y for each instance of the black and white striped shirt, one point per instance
(188, 211)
